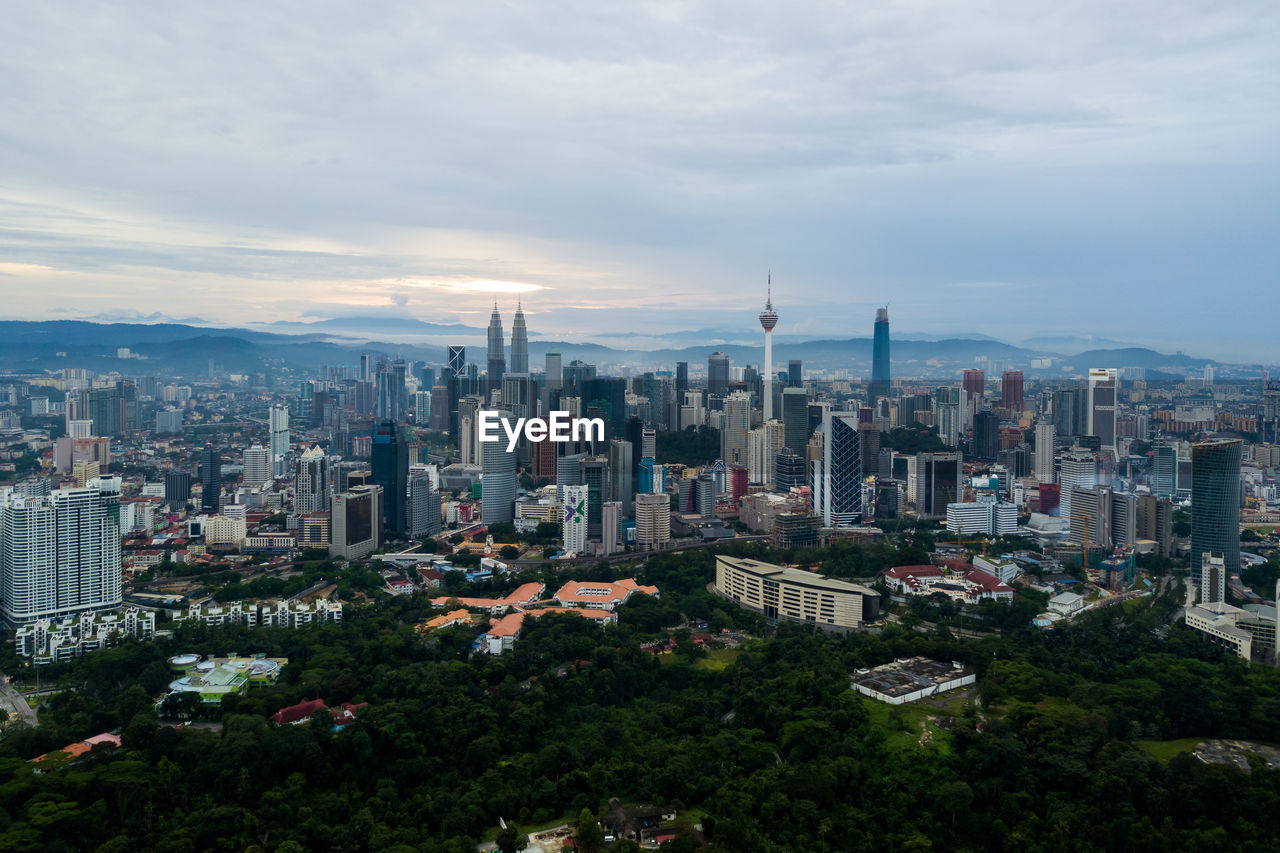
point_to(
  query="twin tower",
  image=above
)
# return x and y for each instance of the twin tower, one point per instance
(497, 350)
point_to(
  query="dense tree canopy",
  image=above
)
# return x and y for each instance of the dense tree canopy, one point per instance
(768, 744)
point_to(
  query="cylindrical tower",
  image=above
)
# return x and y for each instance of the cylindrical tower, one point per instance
(768, 319)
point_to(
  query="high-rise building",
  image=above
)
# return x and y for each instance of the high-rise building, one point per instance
(788, 470)
(554, 380)
(1077, 470)
(497, 479)
(1101, 411)
(424, 504)
(60, 553)
(257, 465)
(1044, 452)
(653, 521)
(621, 474)
(278, 424)
(682, 378)
(497, 363)
(986, 435)
(734, 428)
(937, 483)
(1215, 503)
(168, 421)
(389, 467)
(795, 419)
(1155, 522)
(1213, 577)
(1011, 390)
(595, 475)
(718, 374)
(763, 444)
(177, 489)
(1066, 412)
(795, 377)
(1164, 470)
(355, 522)
(879, 386)
(768, 319)
(456, 361)
(210, 479)
(974, 383)
(519, 343)
(573, 506)
(313, 485)
(837, 484)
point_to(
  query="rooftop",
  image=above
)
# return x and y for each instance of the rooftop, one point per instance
(907, 675)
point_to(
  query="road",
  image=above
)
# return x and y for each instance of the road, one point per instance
(12, 702)
(681, 545)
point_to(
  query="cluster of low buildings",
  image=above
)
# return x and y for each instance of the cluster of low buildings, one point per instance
(594, 600)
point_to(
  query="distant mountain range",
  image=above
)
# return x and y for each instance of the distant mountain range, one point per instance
(181, 349)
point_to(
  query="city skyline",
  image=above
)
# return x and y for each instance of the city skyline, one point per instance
(641, 162)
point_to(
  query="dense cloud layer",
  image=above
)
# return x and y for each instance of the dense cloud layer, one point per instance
(984, 167)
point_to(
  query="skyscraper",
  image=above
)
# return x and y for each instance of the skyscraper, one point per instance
(1101, 411)
(595, 474)
(837, 490)
(768, 319)
(986, 435)
(257, 465)
(60, 553)
(177, 489)
(975, 382)
(497, 479)
(389, 466)
(879, 386)
(1044, 452)
(653, 521)
(795, 419)
(278, 424)
(1011, 390)
(554, 380)
(573, 505)
(1215, 503)
(795, 377)
(682, 378)
(621, 475)
(424, 505)
(457, 361)
(210, 479)
(1164, 470)
(497, 351)
(519, 343)
(313, 485)
(1079, 470)
(718, 374)
(734, 428)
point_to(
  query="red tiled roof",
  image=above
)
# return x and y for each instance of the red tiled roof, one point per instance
(294, 713)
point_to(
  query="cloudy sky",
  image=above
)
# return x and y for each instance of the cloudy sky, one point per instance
(1012, 169)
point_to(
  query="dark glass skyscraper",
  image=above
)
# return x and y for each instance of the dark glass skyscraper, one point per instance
(210, 479)
(389, 465)
(1215, 502)
(986, 435)
(718, 374)
(794, 376)
(880, 357)
(795, 420)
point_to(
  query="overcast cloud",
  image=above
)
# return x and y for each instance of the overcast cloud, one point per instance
(1012, 169)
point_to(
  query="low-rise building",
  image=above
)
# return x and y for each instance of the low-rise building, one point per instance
(1066, 603)
(911, 679)
(780, 592)
(601, 595)
(48, 641)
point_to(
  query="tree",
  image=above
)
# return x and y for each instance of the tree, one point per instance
(510, 840)
(589, 837)
(509, 552)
